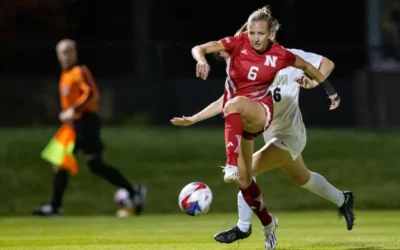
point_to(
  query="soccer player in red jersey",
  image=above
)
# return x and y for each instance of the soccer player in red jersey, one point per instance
(247, 107)
(284, 139)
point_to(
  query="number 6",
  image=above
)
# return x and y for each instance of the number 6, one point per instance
(252, 73)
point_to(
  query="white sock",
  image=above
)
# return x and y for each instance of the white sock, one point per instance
(318, 185)
(245, 213)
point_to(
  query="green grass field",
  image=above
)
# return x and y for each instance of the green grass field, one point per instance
(299, 230)
(165, 160)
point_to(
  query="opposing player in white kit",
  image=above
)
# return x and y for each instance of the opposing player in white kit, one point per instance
(285, 140)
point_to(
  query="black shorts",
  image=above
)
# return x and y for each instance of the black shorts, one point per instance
(88, 139)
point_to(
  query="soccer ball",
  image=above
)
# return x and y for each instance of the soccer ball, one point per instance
(195, 198)
(124, 203)
(121, 197)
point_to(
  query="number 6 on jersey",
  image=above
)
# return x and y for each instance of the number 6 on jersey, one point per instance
(252, 73)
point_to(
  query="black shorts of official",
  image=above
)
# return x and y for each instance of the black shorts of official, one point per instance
(88, 139)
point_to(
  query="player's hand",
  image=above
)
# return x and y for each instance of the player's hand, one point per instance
(335, 101)
(67, 115)
(202, 69)
(306, 82)
(183, 121)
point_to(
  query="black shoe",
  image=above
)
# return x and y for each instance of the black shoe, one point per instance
(231, 235)
(138, 199)
(346, 209)
(46, 211)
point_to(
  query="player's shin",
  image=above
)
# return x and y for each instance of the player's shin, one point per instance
(252, 196)
(109, 173)
(245, 214)
(60, 182)
(233, 135)
(320, 186)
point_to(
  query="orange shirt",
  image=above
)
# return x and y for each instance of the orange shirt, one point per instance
(78, 89)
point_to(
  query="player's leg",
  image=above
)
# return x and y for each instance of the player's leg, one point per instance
(243, 227)
(295, 169)
(251, 193)
(317, 184)
(60, 182)
(253, 197)
(93, 149)
(237, 233)
(242, 115)
(269, 157)
(111, 174)
(299, 173)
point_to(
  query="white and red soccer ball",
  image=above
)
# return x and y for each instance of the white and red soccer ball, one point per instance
(124, 203)
(122, 198)
(195, 198)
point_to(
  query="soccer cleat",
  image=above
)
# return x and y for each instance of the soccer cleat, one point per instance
(269, 233)
(46, 211)
(231, 235)
(138, 199)
(346, 209)
(231, 174)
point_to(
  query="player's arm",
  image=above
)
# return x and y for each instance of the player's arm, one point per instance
(83, 98)
(199, 51)
(86, 91)
(211, 110)
(326, 67)
(309, 69)
(199, 54)
(316, 75)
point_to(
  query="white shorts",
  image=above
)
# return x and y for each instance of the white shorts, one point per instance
(295, 143)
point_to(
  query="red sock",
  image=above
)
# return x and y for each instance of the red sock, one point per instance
(253, 198)
(233, 135)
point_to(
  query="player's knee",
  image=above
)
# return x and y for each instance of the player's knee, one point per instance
(235, 105)
(254, 171)
(244, 181)
(300, 178)
(95, 165)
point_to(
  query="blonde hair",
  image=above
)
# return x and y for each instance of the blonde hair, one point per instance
(275, 27)
(263, 14)
(242, 29)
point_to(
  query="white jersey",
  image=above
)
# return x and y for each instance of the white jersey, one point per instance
(285, 91)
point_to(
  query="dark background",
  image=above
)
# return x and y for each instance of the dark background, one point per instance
(139, 53)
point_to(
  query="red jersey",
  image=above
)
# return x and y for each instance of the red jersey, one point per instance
(250, 74)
